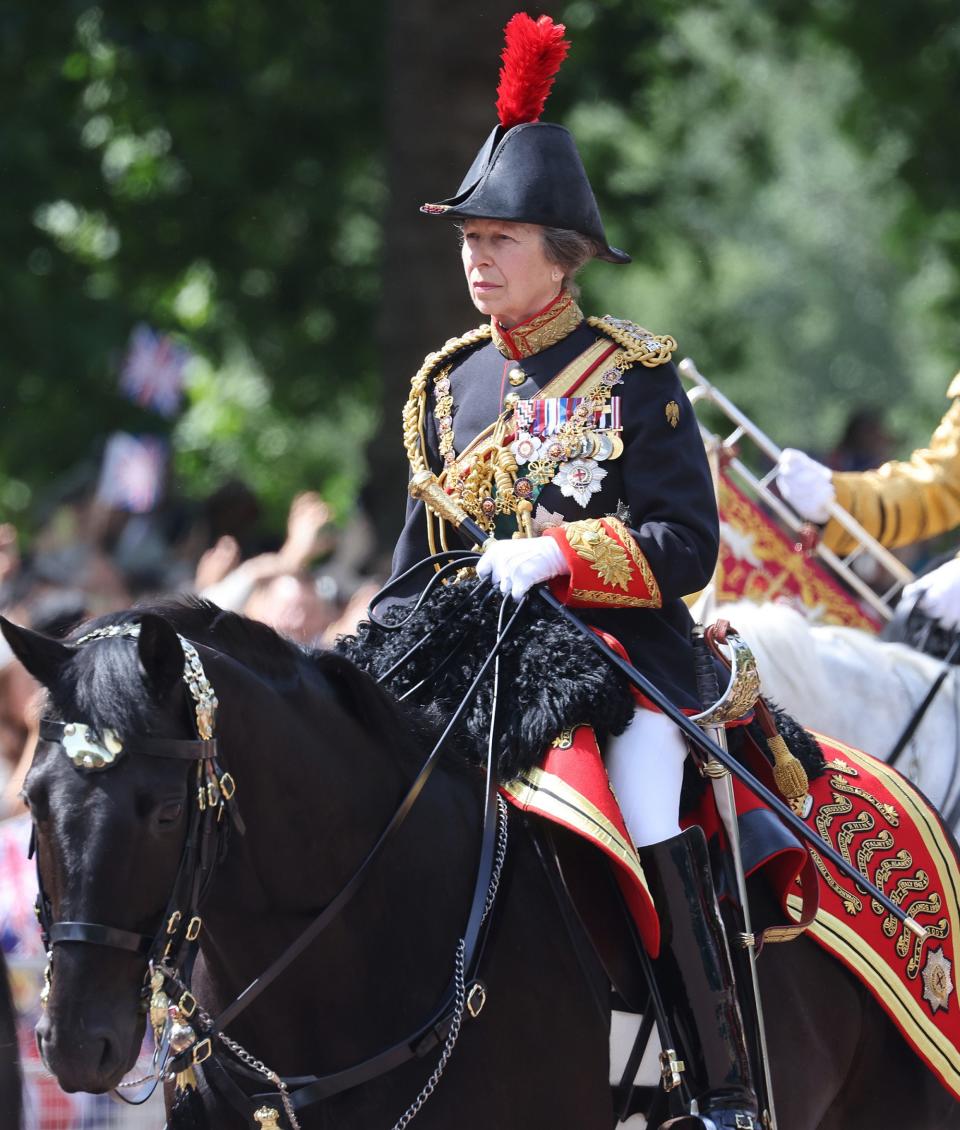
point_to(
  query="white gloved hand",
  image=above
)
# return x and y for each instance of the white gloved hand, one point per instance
(939, 592)
(805, 484)
(517, 564)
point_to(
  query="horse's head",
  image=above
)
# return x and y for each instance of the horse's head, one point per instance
(111, 824)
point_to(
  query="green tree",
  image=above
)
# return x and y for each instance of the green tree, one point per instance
(768, 223)
(214, 170)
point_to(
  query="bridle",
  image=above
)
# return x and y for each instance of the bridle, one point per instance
(174, 945)
(186, 1035)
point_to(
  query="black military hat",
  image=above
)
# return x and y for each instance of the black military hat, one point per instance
(529, 171)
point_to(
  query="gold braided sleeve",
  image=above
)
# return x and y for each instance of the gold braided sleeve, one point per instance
(904, 502)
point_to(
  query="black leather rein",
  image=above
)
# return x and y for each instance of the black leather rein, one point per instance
(165, 951)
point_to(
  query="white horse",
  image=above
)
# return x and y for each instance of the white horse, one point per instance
(849, 685)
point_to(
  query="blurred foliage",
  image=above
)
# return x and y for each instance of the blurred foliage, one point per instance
(211, 169)
(764, 187)
(778, 171)
(234, 428)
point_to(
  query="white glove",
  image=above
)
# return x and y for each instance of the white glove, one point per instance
(939, 592)
(805, 484)
(519, 563)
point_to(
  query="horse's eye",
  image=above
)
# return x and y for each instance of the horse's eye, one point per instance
(169, 813)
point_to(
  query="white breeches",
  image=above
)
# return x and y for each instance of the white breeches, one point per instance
(645, 767)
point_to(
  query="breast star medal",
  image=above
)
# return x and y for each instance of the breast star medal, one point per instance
(937, 982)
(579, 479)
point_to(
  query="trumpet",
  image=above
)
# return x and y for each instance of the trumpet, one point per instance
(892, 572)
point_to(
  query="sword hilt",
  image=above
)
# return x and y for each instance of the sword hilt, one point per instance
(708, 685)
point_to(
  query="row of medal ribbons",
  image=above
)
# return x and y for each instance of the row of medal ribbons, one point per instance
(546, 416)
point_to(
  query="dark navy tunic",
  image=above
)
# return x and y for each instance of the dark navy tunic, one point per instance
(660, 487)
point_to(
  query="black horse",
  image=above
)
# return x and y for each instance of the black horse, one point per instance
(321, 758)
(10, 1081)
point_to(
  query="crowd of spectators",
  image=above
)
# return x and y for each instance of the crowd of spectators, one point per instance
(87, 559)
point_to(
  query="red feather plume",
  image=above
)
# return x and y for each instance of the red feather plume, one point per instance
(533, 52)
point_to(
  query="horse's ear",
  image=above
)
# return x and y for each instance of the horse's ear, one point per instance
(42, 656)
(161, 656)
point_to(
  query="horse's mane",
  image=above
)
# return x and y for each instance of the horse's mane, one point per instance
(110, 693)
(251, 643)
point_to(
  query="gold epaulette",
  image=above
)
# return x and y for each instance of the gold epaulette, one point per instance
(641, 346)
(414, 411)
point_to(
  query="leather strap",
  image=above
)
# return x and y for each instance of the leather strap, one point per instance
(323, 920)
(98, 935)
(180, 749)
(312, 1089)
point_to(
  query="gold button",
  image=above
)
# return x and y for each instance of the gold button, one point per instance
(511, 399)
(516, 377)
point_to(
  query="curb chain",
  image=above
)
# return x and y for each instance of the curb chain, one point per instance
(460, 1000)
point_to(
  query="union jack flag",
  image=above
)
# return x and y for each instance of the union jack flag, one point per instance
(152, 370)
(132, 474)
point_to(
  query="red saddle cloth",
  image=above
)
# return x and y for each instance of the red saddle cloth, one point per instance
(867, 812)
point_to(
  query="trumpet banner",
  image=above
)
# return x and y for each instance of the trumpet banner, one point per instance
(759, 562)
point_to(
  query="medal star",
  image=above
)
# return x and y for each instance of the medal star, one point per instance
(525, 448)
(937, 979)
(579, 479)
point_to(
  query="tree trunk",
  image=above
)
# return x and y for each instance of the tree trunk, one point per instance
(442, 68)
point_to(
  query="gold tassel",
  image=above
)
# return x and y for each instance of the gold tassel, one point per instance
(185, 1079)
(788, 773)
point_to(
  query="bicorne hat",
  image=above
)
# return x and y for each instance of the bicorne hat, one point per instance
(529, 171)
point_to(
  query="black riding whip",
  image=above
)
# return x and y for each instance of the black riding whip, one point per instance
(425, 487)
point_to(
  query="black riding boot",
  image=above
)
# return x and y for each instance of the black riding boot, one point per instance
(696, 980)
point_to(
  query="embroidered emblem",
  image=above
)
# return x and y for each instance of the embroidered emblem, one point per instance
(551, 325)
(526, 447)
(913, 880)
(606, 555)
(841, 766)
(937, 982)
(544, 519)
(579, 479)
(672, 411)
(563, 740)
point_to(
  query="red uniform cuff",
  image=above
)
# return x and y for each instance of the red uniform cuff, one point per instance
(607, 567)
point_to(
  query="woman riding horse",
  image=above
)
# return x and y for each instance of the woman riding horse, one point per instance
(570, 441)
